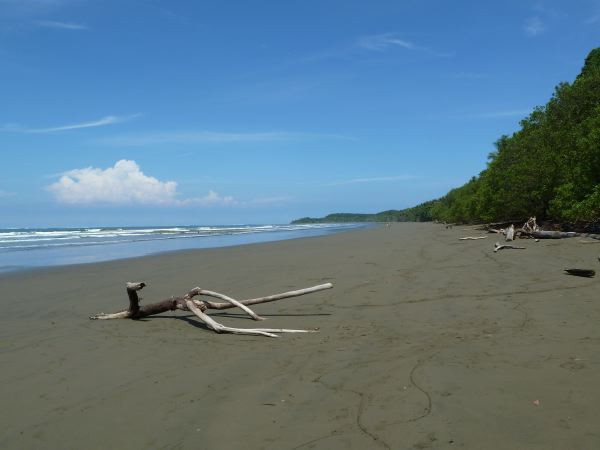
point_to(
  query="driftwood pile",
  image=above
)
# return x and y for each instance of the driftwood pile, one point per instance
(532, 230)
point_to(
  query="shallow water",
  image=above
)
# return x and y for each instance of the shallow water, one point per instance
(41, 247)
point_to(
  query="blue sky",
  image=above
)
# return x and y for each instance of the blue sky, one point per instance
(212, 112)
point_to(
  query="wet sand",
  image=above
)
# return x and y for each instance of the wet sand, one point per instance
(425, 342)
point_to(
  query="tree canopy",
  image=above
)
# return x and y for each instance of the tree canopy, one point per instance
(549, 168)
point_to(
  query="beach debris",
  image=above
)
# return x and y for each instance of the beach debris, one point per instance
(498, 246)
(510, 233)
(198, 307)
(471, 238)
(553, 234)
(581, 272)
(531, 225)
(531, 229)
(536, 402)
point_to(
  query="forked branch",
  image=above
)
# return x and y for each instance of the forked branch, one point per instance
(199, 307)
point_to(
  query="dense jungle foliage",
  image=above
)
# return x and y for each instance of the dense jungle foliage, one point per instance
(549, 168)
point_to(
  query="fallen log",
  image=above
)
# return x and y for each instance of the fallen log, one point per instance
(198, 307)
(471, 238)
(551, 234)
(558, 234)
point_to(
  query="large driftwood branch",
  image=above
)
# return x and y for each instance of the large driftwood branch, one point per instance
(198, 308)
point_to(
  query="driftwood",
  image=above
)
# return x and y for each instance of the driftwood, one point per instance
(552, 234)
(581, 272)
(531, 225)
(471, 238)
(198, 307)
(558, 234)
(510, 233)
(497, 247)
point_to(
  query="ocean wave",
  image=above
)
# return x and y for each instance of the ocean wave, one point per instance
(31, 239)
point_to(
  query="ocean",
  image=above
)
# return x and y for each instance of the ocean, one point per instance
(25, 248)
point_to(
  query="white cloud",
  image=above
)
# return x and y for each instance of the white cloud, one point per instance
(212, 137)
(60, 25)
(108, 120)
(373, 180)
(534, 26)
(124, 184)
(211, 199)
(381, 42)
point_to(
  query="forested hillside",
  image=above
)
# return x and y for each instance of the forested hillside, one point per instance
(549, 168)
(419, 213)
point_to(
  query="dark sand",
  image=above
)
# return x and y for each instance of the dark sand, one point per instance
(424, 342)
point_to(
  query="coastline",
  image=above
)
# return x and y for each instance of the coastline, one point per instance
(72, 246)
(425, 342)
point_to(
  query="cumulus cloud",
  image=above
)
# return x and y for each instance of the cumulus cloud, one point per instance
(123, 184)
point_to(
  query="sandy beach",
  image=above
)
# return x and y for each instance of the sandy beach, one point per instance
(425, 342)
